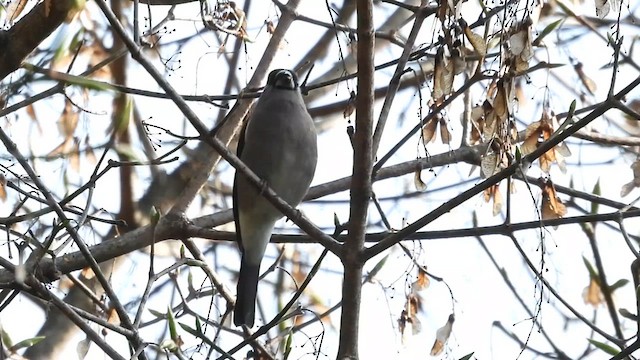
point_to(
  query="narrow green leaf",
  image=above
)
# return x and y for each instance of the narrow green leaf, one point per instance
(200, 335)
(547, 30)
(157, 314)
(628, 314)
(126, 151)
(569, 120)
(467, 357)
(124, 118)
(195, 332)
(288, 346)
(376, 269)
(618, 284)
(155, 215)
(26, 343)
(604, 347)
(596, 191)
(173, 332)
(566, 9)
(69, 79)
(592, 272)
(6, 339)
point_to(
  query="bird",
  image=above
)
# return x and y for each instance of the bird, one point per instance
(279, 144)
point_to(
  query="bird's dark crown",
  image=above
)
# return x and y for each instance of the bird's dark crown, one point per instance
(283, 79)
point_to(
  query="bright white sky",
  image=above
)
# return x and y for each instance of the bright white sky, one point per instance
(481, 297)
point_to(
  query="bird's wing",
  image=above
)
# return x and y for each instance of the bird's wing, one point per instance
(236, 215)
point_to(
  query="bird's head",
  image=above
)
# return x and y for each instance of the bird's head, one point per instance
(283, 79)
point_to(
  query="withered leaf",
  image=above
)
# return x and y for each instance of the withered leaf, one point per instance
(3, 187)
(635, 182)
(15, 8)
(445, 134)
(417, 180)
(551, 207)
(477, 41)
(588, 83)
(429, 130)
(442, 335)
(592, 295)
(68, 120)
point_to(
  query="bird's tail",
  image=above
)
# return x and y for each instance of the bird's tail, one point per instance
(244, 313)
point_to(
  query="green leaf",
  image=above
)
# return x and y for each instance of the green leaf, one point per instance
(547, 30)
(169, 345)
(157, 314)
(192, 289)
(376, 269)
(628, 314)
(69, 79)
(76, 40)
(172, 324)
(6, 339)
(155, 216)
(596, 191)
(542, 65)
(195, 332)
(566, 9)
(26, 343)
(604, 347)
(467, 357)
(126, 151)
(592, 272)
(198, 324)
(569, 120)
(124, 118)
(287, 346)
(618, 284)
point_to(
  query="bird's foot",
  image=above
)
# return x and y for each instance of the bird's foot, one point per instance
(298, 216)
(263, 186)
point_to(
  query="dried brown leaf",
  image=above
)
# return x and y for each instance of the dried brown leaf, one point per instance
(68, 120)
(3, 187)
(64, 148)
(442, 335)
(635, 182)
(477, 41)
(588, 83)
(445, 134)
(532, 134)
(551, 207)
(422, 282)
(603, 7)
(489, 165)
(497, 201)
(501, 101)
(15, 8)
(592, 295)
(429, 130)
(74, 155)
(417, 181)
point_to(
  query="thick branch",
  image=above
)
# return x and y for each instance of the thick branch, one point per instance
(19, 41)
(360, 185)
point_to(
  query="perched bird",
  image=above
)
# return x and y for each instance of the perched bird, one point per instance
(279, 144)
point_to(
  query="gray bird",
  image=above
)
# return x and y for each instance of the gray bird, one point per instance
(279, 144)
